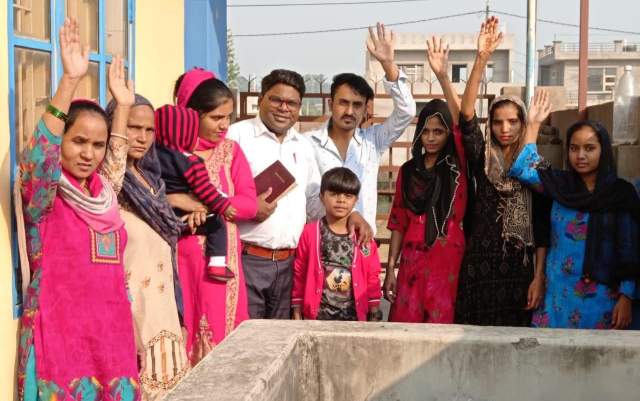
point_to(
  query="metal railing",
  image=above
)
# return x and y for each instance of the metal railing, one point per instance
(593, 48)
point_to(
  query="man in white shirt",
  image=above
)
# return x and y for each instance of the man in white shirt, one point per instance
(270, 240)
(341, 143)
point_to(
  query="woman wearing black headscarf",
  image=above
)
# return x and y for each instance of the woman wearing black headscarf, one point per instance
(500, 281)
(428, 208)
(594, 258)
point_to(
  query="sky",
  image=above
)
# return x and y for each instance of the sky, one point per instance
(331, 53)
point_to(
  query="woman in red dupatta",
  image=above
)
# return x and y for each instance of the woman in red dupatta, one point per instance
(428, 208)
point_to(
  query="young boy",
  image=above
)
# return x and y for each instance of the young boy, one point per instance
(184, 172)
(333, 278)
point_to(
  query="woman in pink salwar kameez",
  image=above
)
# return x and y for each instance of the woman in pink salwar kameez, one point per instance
(77, 336)
(212, 309)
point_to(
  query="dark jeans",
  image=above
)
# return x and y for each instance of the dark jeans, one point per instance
(268, 286)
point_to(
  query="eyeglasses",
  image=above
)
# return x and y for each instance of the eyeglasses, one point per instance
(277, 101)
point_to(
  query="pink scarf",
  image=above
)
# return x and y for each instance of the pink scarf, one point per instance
(100, 209)
(205, 144)
(190, 82)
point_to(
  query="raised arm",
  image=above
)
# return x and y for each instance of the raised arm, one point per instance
(438, 57)
(488, 40)
(538, 112)
(115, 161)
(525, 167)
(40, 165)
(75, 62)
(381, 46)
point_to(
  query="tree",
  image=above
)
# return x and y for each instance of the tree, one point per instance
(233, 68)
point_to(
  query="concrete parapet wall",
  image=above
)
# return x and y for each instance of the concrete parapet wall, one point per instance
(308, 360)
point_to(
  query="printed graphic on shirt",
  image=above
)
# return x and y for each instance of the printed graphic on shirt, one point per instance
(337, 301)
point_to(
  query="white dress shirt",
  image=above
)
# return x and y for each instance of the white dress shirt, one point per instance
(262, 148)
(367, 146)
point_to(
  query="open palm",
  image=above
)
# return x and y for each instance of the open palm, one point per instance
(380, 43)
(489, 37)
(438, 55)
(121, 89)
(540, 107)
(75, 56)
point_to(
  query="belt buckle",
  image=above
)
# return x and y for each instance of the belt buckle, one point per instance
(273, 255)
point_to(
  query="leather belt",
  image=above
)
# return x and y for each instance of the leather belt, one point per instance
(266, 253)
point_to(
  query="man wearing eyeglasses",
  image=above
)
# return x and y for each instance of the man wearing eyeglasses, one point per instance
(341, 143)
(270, 240)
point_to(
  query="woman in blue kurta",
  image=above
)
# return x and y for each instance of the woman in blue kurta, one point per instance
(594, 256)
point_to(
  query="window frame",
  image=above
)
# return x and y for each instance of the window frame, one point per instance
(57, 13)
(461, 66)
(413, 70)
(603, 74)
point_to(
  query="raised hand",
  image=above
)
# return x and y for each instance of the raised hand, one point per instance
(121, 89)
(381, 43)
(489, 37)
(539, 108)
(75, 56)
(438, 56)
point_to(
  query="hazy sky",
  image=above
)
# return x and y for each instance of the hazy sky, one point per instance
(330, 53)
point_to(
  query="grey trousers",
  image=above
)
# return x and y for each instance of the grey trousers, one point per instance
(268, 286)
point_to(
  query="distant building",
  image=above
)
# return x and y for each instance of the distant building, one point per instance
(411, 56)
(558, 66)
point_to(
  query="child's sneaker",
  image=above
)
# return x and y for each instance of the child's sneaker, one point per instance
(217, 269)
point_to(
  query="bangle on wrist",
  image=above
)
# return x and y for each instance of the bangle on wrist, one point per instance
(51, 109)
(123, 137)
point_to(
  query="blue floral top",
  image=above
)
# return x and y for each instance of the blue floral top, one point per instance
(570, 301)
